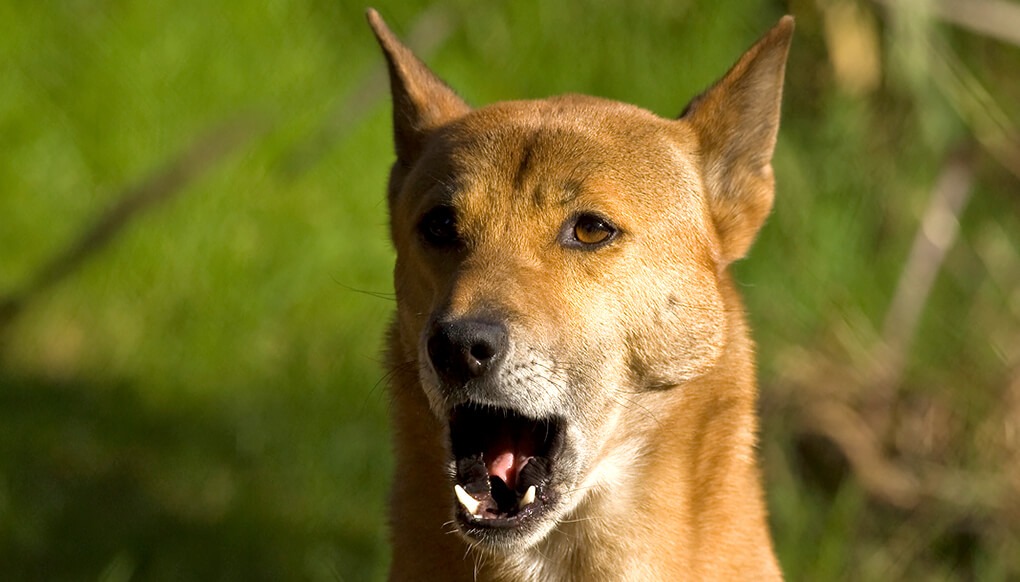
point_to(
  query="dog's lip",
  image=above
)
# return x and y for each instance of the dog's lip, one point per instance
(503, 464)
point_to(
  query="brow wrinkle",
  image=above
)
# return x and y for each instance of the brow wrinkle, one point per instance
(525, 164)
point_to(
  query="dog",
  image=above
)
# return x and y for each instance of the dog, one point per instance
(572, 381)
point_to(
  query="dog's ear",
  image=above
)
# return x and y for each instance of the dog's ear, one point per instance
(421, 100)
(736, 122)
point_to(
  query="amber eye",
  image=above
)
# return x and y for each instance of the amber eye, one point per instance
(592, 230)
(438, 228)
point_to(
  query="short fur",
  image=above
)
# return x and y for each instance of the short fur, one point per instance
(640, 345)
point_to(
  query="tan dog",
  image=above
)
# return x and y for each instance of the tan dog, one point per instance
(573, 385)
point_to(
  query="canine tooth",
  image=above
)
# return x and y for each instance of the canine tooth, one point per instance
(528, 498)
(470, 503)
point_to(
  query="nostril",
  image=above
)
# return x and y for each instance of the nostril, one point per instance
(478, 358)
(483, 351)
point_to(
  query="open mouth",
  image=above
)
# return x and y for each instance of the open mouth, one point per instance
(503, 462)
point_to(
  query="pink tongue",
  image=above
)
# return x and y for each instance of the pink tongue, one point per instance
(505, 458)
(502, 466)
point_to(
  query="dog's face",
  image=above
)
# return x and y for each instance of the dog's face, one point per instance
(545, 250)
(549, 254)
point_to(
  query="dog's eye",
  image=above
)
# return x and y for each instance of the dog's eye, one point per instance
(438, 227)
(591, 230)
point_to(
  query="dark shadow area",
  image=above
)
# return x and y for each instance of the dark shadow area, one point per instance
(95, 483)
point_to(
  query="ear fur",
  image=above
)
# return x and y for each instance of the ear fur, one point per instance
(736, 121)
(421, 100)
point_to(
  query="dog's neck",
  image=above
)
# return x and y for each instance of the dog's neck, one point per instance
(697, 491)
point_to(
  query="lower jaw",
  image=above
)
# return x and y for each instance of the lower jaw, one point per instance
(501, 538)
(478, 522)
(507, 537)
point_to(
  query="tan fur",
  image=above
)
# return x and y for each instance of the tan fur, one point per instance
(641, 344)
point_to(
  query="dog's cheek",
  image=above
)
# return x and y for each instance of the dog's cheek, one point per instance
(678, 338)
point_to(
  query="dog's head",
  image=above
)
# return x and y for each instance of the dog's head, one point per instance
(558, 258)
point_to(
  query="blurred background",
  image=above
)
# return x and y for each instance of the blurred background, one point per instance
(195, 272)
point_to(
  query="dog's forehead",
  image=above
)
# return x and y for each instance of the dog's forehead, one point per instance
(571, 127)
(556, 149)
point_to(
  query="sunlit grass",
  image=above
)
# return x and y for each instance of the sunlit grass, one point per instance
(204, 397)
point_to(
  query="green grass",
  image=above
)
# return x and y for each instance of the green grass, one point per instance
(203, 398)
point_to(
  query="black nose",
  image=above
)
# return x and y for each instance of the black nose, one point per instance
(464, 349)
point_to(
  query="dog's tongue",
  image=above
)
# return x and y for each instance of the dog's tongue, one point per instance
(507, 456)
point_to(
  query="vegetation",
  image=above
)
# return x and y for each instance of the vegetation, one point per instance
(194, 273)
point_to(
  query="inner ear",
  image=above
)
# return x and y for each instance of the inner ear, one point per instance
(421, 100)
(736, 122)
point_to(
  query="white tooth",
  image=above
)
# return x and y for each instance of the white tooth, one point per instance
(528, 499)
(470, 503)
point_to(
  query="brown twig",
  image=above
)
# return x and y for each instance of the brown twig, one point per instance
(429, 32)
(157, 187)
(990, 125)
(994, 18)
(936, 235)
(853, 434)
(857, 421)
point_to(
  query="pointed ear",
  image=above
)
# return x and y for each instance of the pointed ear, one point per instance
(736, 122)
(421, 100)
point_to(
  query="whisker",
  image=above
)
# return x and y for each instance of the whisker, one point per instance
(581, 519)
(376, 294)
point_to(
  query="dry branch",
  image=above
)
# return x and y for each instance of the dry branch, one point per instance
(995, 18)
(857, 418)
(936, 235)
(429, 32)
(155, 188)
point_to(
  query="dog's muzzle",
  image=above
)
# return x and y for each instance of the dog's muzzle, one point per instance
(503, 459)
